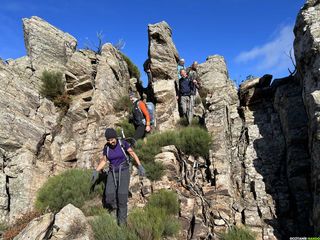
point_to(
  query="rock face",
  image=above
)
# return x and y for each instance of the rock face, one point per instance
(69, 223)
(37, 139)
(164, 57)
(306, 44)
(263, 165)
(46, 45)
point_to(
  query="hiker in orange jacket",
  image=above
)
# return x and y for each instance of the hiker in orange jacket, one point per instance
(141, 117)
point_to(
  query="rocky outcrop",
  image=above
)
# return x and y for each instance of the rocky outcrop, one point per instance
(307, 49)
(69, 223)
(163, 56)
(37, 229)
(47, 46)
(39, 139)
(263, 166)
(27, 120)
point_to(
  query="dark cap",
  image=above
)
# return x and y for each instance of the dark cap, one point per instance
(110, 133)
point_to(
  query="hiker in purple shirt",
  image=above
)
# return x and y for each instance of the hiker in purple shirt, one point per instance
(117, 186)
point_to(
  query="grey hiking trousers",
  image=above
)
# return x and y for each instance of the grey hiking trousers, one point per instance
(187, 104)
(116, 193)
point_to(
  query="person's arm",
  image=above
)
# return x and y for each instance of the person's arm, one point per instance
(134, 156)
(141, 170)
(145, 112)
(103, 162)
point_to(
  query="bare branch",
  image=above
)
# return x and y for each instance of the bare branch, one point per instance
(120, 44)
(292, 61)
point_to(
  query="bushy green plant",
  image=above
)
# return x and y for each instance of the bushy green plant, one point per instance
(190, 140)
(92, 210)
(154, 170)
(165, 199)
(152, 223)
(133, 69)
(183, 122)
(52, 84)
(123, 104)
(147, 151)
(53, 88)
(194, 141)
(71, 186)
(127, 127)
(105, 227)
(238, 233)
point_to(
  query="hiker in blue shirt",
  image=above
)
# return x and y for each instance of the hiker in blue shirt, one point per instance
(185, 92)
(117, 186)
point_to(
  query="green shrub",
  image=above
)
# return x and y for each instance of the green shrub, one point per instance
(238, 233)
(171, 226)
(165, 199)
(147, 151)
(190, 140)
(152, 223)
(183, 122)
(105, 227)
(93, 210)
(194, 141)
(127, 127)
(71, 186)
(154, 170)
(133, 69)
(53, 88)
(123, 104)
(52, 84)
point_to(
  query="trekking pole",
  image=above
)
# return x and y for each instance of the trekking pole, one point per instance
(122, 132)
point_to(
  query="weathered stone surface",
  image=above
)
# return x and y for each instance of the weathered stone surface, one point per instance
(163, 56)
(162, 52)
(27, 120)
(264, 143)
(307, 49)
(167, 107)
(37, 229)
(71, 223)
(47, 46)
(213, 73)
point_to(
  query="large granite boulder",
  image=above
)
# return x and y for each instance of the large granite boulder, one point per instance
(69, 223)
(47, 46)
(164, 57)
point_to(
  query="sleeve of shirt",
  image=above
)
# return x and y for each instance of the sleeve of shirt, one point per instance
(126, 145)
(145, 112)
(105, 150)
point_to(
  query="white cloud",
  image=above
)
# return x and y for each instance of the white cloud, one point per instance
(273, 55)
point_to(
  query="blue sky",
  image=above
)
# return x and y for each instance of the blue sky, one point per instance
(255, 37)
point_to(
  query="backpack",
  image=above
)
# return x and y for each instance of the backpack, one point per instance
(150, 107)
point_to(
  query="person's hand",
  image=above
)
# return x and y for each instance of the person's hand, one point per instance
(177, 97)
(148, 128)
(95, 176)
(195, 81)
(141, 171)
